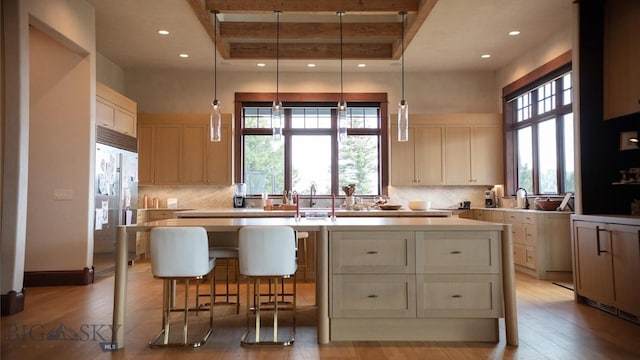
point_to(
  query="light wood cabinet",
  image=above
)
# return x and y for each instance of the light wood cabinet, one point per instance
(448, 149)
(541, 240)
(393, 285)
(418, 161)
(473, 152)
(607, 266)
(115, 111)
(621, 54)
(174, 149)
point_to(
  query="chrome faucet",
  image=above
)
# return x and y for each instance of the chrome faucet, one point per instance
(526, 199)
(312, 193)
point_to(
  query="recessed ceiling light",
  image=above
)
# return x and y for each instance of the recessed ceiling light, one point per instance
(362, 65)
(184, 55)
(261, 64)
(514, 32)
(163, 32)
(485, 56)
(311, 65)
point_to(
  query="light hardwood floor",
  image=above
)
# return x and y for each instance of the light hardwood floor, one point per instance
(551, 326)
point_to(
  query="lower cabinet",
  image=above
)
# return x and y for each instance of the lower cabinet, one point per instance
(607, 266)
(415, 285)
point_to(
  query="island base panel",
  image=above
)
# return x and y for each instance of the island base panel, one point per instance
(484, 330)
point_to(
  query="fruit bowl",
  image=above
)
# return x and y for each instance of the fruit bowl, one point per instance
(548, 204)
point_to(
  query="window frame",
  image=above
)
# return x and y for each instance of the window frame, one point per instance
(312, 99)
(553, 70)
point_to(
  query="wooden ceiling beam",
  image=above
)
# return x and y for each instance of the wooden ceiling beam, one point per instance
(264, 6)
(266, 30)
(310, 51)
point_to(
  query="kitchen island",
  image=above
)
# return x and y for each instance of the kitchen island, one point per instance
(438, 253)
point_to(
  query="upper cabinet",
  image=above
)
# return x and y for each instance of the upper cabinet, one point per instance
(418, 161)
(449, 149)
(621, 54)
(174, 149)
(115, 111)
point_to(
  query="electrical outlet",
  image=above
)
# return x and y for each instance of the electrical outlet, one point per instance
(62, 194)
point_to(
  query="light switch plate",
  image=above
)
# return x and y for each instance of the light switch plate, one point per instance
(62, 194)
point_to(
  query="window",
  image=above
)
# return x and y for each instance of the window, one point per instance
(310, 151)
(539, 133)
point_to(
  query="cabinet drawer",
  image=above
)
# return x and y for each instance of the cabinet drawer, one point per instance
(458, 252)
(530, 260)
(530, 234)
(497, 216)
(373, 296)
(513, 217)
(517, 233)
(480, 215)
(159, 214)
(459, 296)
(367, 252)
(519, 254)
(529, 218)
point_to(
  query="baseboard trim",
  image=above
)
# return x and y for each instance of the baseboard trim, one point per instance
(12, 302)
(59, 278)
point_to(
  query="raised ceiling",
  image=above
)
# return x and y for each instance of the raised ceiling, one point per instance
(310, 30)
(451, 37)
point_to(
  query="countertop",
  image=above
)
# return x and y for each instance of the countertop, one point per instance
(256, 212)
(523, 210)
(616, 219)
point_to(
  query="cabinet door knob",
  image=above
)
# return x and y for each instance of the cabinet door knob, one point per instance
(456, 252)
(598, 229)
(372, 252)
(456, 296)
(372, 296)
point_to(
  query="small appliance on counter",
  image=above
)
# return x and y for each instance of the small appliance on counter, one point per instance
(490, 199)
(239, 195)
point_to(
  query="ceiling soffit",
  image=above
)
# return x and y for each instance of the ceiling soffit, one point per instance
(310, 30)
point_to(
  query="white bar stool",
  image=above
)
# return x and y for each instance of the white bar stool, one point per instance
(180, 253)
(267, 252)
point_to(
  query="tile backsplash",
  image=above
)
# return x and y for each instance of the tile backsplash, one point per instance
(204, 196)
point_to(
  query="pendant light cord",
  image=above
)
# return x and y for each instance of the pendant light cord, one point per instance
(215, 55)
(341, 83)
(277, 55)
(404, 17)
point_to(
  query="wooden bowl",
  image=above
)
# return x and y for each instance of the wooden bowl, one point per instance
(548, 204)
(390, 207)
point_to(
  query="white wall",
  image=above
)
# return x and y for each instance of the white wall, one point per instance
(559, 43)
(61, 135)
(163, 90)
(109, 73)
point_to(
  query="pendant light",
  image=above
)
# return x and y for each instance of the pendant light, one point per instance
(276, 108)
(403, 106)
(342, 105)
(215, 117)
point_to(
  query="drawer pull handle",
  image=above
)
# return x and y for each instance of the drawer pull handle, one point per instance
(456, 296)
(373, 252)
(456, 252)
(372, 296)
(598, 229)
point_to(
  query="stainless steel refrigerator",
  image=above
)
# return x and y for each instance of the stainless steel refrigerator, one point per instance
(116, 199)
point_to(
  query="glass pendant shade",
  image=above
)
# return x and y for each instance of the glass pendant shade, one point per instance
(342, 120)
(215, 120)
(276, 120)
(403, 120)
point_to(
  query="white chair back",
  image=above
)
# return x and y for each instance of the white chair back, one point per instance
(179, 252)
(267, 250)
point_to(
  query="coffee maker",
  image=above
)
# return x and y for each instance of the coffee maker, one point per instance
(490, 199)
(239, 195)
